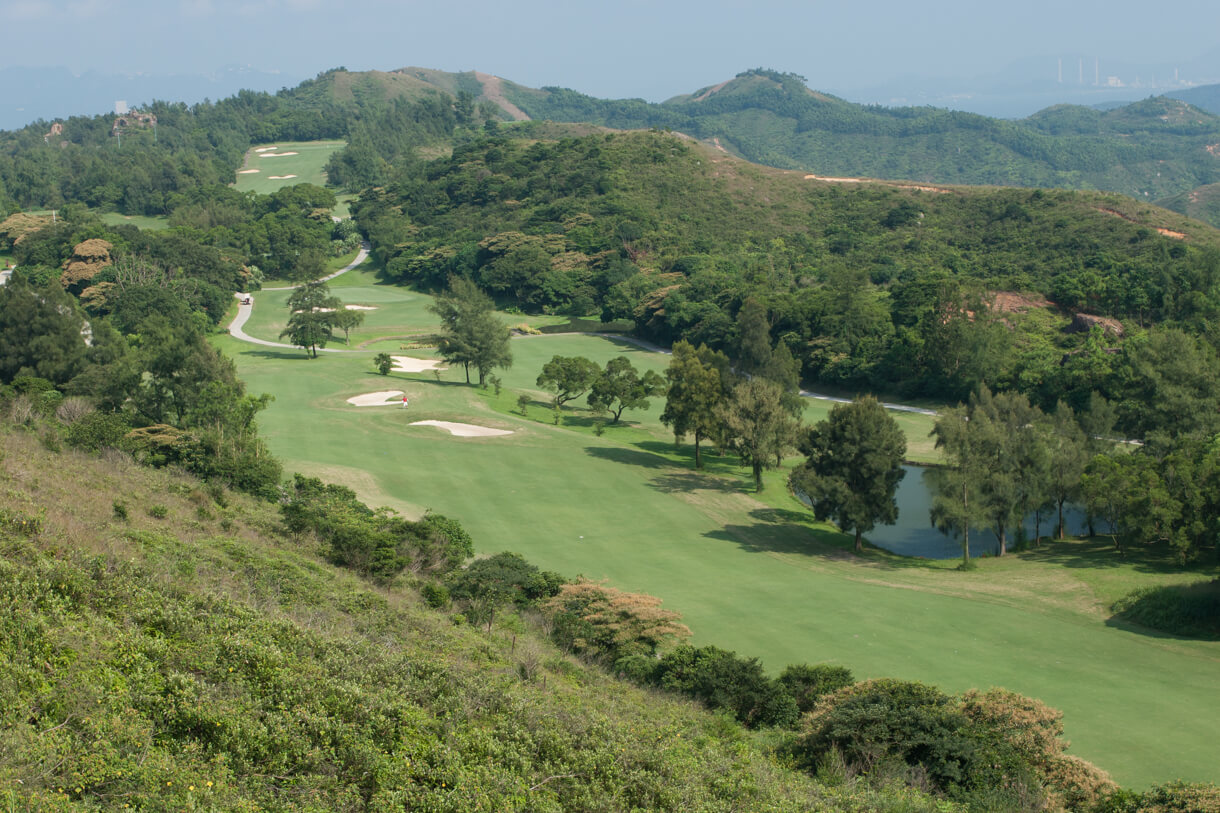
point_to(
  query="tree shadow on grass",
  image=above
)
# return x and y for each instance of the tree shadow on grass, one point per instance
(633, 457)
(271, 353)
(1100, 552)
(684, 483)
(784, 531)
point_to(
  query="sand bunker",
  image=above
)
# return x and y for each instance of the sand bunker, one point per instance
(246, 171)
(266, 149)
(406, 364)
(383, 398)
(464, 430)
(276, 154)
(348, 307)
(279, 177)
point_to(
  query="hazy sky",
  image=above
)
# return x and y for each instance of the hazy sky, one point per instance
(652, 49)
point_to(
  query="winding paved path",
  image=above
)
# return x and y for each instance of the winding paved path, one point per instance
(243, 310)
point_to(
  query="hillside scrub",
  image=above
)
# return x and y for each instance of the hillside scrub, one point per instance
(187, 661)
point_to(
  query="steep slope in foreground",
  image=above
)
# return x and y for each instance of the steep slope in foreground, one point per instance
(188, 657)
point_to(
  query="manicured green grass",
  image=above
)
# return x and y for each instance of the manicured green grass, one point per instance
(306, 165)
(144, 222)
(749, 572)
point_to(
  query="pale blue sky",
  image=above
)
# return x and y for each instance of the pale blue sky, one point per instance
(632, 48)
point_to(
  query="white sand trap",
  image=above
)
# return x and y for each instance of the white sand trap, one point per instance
(464, 430)
(266, 149)
(246, 171)
(276, 154)
(383, 398)
(279, 177)
(407, 364)
(360, 307)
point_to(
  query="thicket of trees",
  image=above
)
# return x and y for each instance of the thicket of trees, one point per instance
(867, 287)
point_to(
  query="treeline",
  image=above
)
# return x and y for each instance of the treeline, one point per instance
(869, 286)
(111, 340)
(1155, 147)
(190, 147)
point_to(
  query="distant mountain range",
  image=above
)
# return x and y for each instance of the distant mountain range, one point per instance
(1157, 149)
(30, 94)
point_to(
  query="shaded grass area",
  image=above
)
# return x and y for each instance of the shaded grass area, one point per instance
(1191, 610)
(750, 572)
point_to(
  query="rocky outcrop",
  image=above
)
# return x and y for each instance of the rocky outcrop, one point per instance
(1084, 322)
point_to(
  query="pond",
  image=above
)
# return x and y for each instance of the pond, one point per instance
(913, 534)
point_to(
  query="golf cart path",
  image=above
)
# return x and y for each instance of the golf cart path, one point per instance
(243, 310)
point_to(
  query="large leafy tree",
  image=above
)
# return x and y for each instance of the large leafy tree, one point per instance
(695, 393)
(471, 334)
(620, 386)
(41, 333)
(758, 425)
(312, 321)
(853, 467)
(568, 377)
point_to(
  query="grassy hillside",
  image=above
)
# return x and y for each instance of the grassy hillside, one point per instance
(165, 647)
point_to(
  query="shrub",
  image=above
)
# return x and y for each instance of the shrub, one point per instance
(881, 722)
(722, 680)
(435, 594)
(384, 363)
(95, 431)
(807, 683)
(120, 510)
(609, 624)
(158, 511)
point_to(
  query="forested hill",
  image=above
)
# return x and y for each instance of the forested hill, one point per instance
(884, 285)
(1149, 150)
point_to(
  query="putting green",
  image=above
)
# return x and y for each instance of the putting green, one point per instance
(750, 574)
(264, 171)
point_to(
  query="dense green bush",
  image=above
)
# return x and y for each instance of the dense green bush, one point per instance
(1192, 610)
(723, 680)
(808, 683)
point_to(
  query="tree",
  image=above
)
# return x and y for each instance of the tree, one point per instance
(759, 427)
(347, 320)
(384, 363)
(753, 337)
(41, 333)
(312, 320)
(695, 392)
(853, 467)
(471, 335)
(568, 377)
(620, 387)
(955, 504)
(993, 446)
(1068, 457)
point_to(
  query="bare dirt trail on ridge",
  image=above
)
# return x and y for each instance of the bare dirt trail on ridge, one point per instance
(495, 93)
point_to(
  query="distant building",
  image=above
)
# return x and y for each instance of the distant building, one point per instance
(120, 108)
(135, 118)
